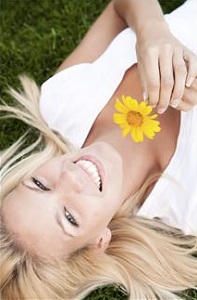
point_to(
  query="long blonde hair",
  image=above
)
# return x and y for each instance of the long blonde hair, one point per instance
(145, 258)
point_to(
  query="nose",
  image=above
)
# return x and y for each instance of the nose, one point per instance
(70, 182)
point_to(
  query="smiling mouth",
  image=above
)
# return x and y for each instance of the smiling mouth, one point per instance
(92, 170)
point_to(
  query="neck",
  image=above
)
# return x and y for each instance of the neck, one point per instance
(138, 158)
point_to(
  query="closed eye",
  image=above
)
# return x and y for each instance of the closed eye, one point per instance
(39, 184)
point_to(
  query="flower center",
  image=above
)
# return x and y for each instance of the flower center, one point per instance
(134, 118)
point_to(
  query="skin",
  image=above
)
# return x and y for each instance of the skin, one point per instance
(33, 214)
(167, 68)
(40, 203)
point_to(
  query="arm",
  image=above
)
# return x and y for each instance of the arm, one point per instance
(98, 37)
(111, 22)
(139, 14)
(155, 46)
(167, 68)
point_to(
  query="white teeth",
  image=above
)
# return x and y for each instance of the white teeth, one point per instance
(91, 169)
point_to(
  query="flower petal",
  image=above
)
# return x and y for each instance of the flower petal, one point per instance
(131, 103)
(153, 116)
(147, 126)
(119, 118)
(136, 134)
(126, 130)
(150, 129)
(121, 107)
(155, 126)
(145, 109)
(149, 133)
(139, 134)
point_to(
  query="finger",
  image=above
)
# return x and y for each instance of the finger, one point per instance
(143, 81)
(152, 77)
(167, 80)
(190, 94)
(189, 98)
(184, 106)
(191, 61)
(180, 74)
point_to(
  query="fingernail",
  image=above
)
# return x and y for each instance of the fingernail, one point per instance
(175, 103)
(161, 110)
(145, 97)
(189, 81)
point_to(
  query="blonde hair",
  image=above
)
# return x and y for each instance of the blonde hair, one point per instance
(145, 258)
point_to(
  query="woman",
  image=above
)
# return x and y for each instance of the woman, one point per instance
(87, 203)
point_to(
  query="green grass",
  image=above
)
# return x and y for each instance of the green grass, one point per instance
(36, 36)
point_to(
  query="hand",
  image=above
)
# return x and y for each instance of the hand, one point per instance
(189, 99)
(167, 70)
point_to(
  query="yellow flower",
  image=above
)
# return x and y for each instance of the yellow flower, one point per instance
(135, 118)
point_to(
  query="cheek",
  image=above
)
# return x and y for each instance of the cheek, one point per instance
(50, 168)
(115, 185)
(96, 211)
(99, 216)
(113, 197)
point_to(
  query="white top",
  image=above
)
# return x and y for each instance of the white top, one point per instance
(174, 197)
(72, 99)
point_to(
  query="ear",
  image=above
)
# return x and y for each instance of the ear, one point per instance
(102, 241)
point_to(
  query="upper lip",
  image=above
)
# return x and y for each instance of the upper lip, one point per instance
(96, 163)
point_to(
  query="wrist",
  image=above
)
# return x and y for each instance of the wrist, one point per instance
(151, 28)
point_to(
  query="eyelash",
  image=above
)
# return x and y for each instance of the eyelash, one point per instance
(39, 184)
(70, 218)
(68, 215)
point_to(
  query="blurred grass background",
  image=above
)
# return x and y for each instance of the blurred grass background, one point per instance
(36, 36)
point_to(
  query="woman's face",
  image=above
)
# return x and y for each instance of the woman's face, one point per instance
(67, 202)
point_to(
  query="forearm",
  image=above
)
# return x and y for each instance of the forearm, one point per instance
(141, 15)
(165, 65)
(98, 37)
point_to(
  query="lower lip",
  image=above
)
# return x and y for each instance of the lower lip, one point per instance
(98, 165)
